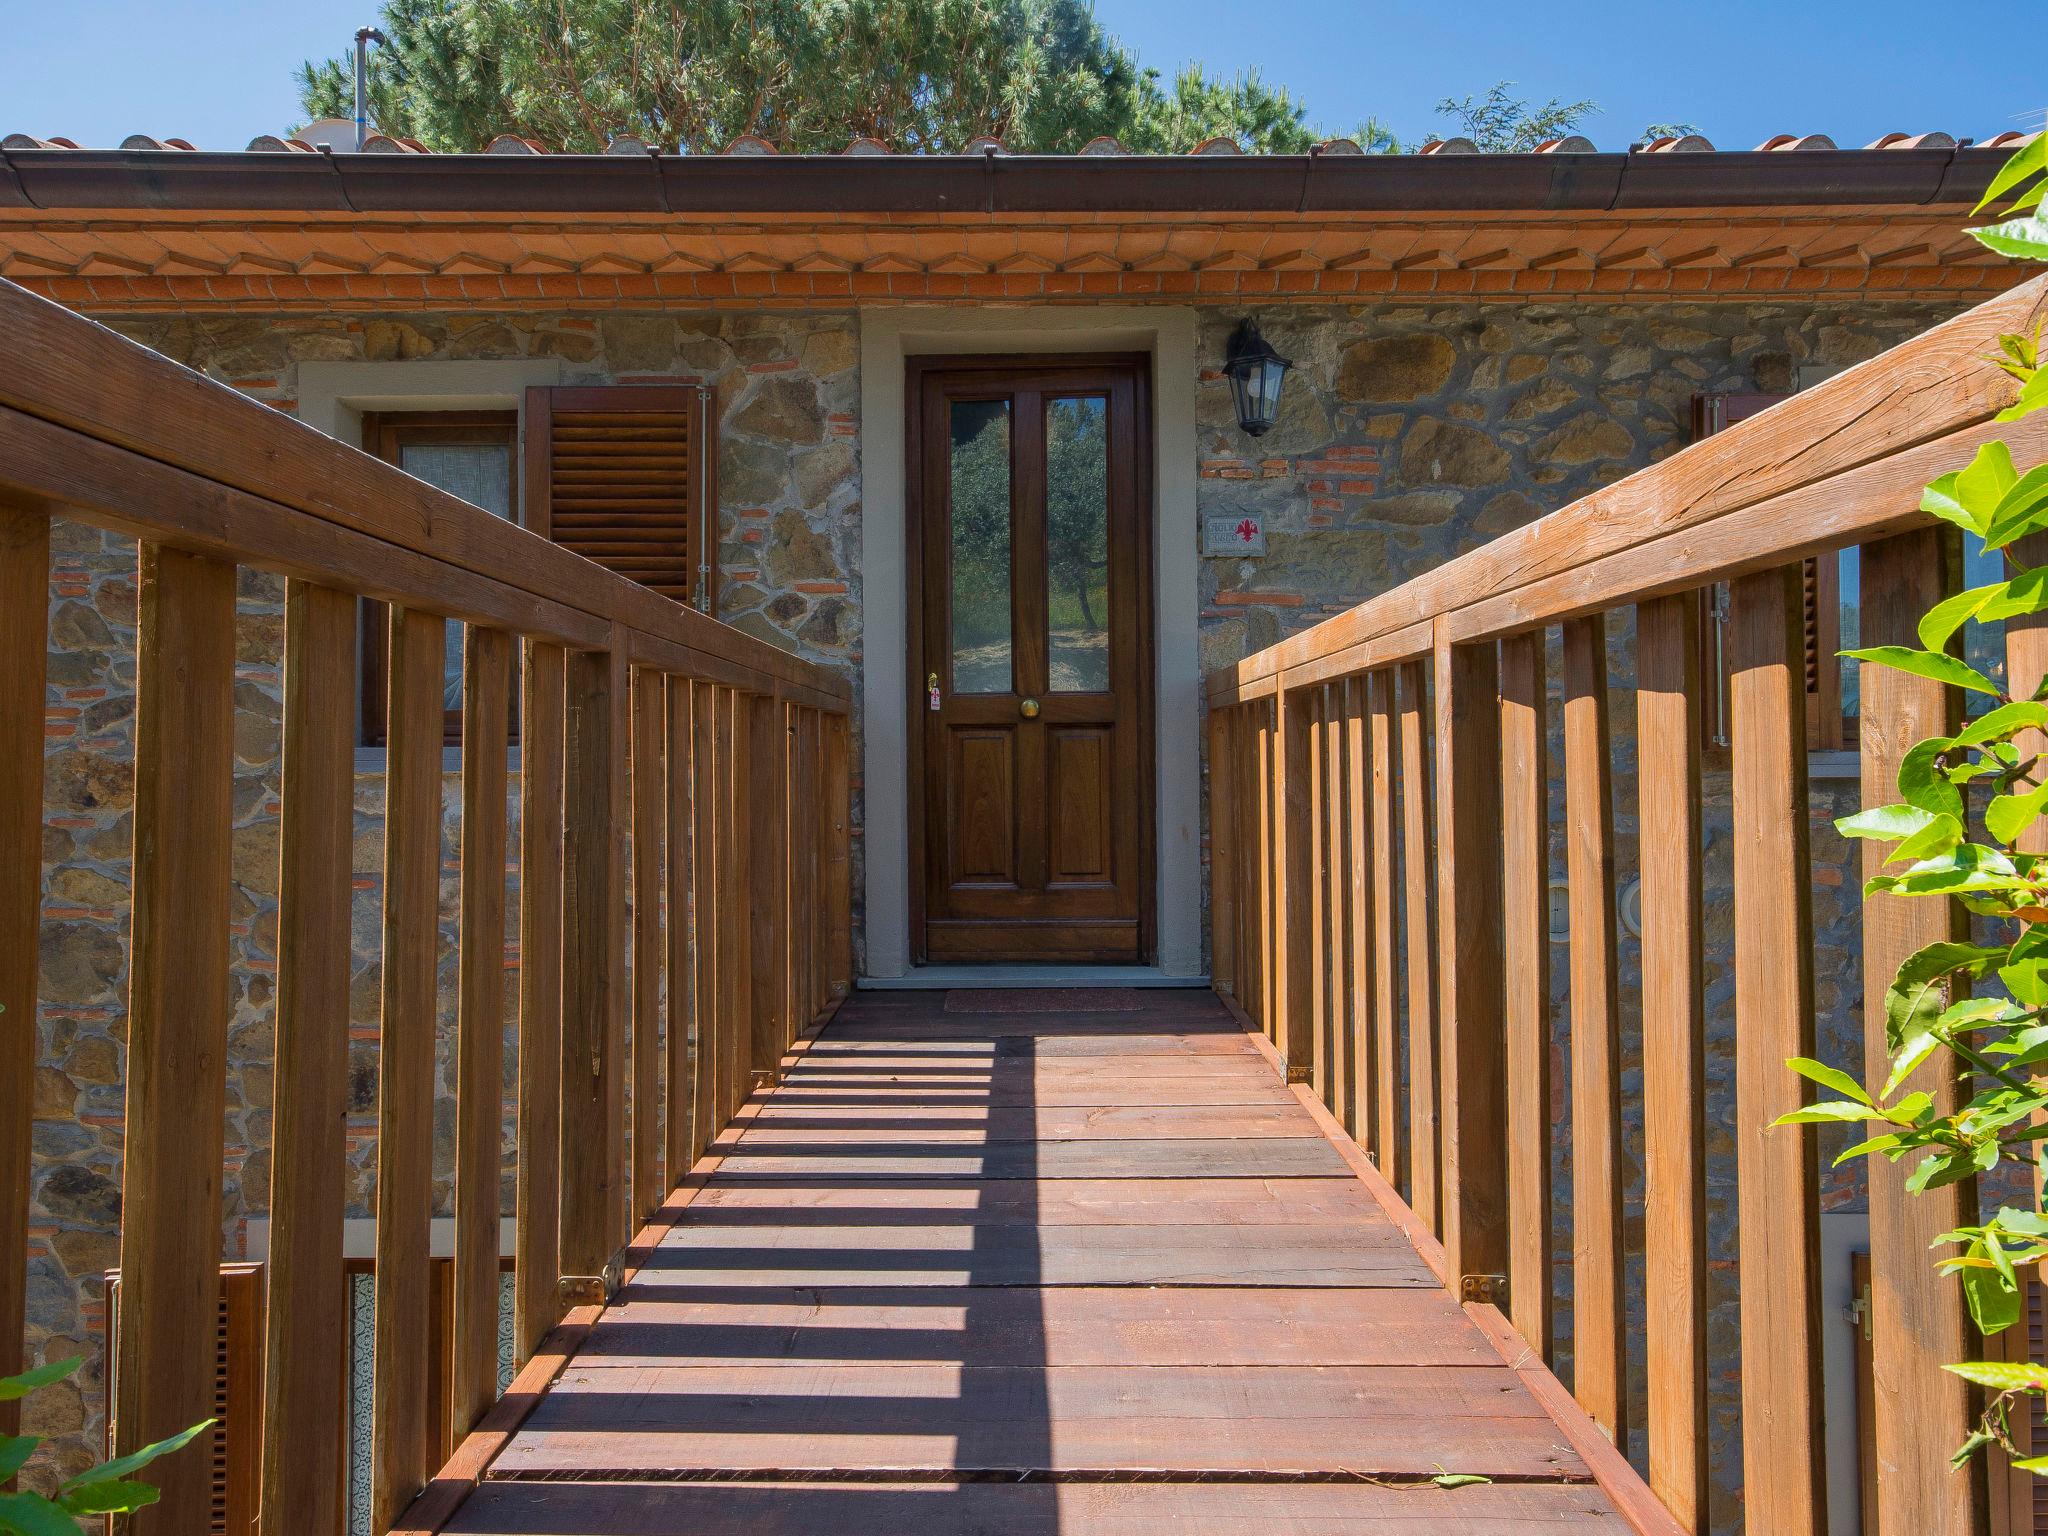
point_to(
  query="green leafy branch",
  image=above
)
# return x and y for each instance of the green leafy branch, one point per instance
(108, 1489)
(1994, 1046)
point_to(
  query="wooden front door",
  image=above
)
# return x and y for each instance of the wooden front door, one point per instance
(1031, 781)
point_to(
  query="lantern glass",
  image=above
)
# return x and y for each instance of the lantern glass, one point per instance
(1256, 374)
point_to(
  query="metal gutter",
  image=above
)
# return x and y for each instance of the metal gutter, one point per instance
(177, 180)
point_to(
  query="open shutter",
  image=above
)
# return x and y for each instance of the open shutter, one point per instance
(1821, 604)
(623, 475)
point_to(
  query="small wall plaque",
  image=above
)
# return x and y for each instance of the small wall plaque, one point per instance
(1239, 535)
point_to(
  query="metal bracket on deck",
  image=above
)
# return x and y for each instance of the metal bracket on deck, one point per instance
(1299, 1074)
(590, 1290)
(1489, 1289)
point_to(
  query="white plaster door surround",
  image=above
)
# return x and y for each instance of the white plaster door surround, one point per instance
(1167, 335)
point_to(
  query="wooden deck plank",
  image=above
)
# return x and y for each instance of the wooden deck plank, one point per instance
(1073, 1509)
(1260, 1324)
(1284, 1420)
(957, 1258)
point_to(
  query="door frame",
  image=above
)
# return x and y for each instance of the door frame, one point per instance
(916, 370)
(1169, 334)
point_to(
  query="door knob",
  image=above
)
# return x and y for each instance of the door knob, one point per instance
(1028, 709)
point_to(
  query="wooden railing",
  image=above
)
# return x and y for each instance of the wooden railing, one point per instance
(1379, 799)
(662, 754)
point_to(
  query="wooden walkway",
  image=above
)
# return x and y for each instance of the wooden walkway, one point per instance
(1017, 1263)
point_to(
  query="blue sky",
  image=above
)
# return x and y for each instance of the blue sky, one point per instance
(220, 71)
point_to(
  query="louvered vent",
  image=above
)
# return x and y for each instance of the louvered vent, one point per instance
(624, 480)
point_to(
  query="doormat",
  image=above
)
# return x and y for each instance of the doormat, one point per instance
(1043, 1000)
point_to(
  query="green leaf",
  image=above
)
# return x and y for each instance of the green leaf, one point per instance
(1982, 483)
(1922, 783)
(114, 1498)
(2032, 397)
(20, 1386)
(2026, 980)
(2006, 721)
(1952, 613)
(1882, 1143)
(15, 1451)
(33, 1515)
(2038, 1465)
(1916, 1049)
(2007, 816)
(2025, 238)
(1885, 823)
(135, 1461)
(1827, 1112)
(1938, 665)
(1940, 835)
(2002, 1375)
(1829, 1077)
(1916, 996)
(1459, 1479)
(2021, 509)
(2030, 159)
(1941, 499)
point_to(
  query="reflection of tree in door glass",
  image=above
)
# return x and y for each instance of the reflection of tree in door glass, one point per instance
(1077, 544)
(978, 493)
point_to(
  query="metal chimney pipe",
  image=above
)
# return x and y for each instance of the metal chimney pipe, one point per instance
(364, 37)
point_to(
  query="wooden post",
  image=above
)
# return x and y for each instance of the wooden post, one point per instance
(1469, 970)
(593, 961)
(1361, 923)
(177, 1025)
(1778, 1195)
(536, 1285)
(480, 1053)
(306, 1339)
(1918, 1320)
(735, 960)
(24, 622)
(1309, 857)
(679, 811)
(1420, 895)
(767, 791)
(1389, 1146)
(1599, 1324)
(1525, 948)
(648, 727)
(405, 1447)
(1674, 1051)
(1266, 926)
(839, 863)
(1222, 853)
(1334, 834)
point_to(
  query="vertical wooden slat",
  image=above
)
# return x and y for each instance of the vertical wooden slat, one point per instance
(1777, 1199)
(1418, 868)
(1223, 854)
(839, 865)
(480, 1067)
(648, 725)
(707, 704)
(1525, 948)
(24, 622)
(1674, 1052)
(679, 812)
(1360, 922)
(1918, 1320)
(1309, 963)
(1335, 928)
(734, 928)
(593, 960)
(1389, 1145)
(537, 1301)
(1265, 927)
(1472, 1043)
(177, 1024)
(1599, 1338)
(403, 1449)
(767, 811)
(306, 1331)
(810, 875)
(1294, 943)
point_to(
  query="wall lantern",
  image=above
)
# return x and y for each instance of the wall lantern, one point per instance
(1256, 372)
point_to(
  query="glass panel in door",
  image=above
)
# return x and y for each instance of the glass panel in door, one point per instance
(978, 518)
(1077, 544)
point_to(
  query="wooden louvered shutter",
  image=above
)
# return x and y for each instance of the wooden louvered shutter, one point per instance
(623, 475)
(237, 1438)
(1820, 588)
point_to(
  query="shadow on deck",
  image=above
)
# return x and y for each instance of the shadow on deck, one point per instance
(1034, 1262)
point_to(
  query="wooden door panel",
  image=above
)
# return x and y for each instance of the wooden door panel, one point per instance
(1031, 657)
(1077, 803)
(982, 795)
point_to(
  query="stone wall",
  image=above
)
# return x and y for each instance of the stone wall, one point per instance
(1409, 434)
